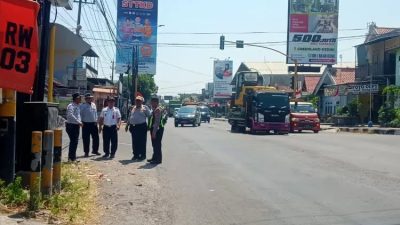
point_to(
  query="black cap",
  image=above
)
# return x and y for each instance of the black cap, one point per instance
(75, 96)
(88, 95)
(110, 98)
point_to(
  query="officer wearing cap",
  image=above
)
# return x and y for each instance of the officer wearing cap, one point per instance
(73, 125)
(109, 123)
(89, 120)
(137, 124)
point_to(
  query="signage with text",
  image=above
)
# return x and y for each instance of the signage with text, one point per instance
(18, 44)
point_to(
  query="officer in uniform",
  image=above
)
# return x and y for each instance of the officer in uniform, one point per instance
(137, 124)
(89, 120)
(109, 123)
(73, 125)
(156, 127)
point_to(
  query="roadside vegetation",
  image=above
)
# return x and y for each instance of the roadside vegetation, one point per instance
(75, 204)
(389, 113)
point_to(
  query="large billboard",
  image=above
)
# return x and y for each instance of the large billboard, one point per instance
(137, 26)
(222, 78)
(313, 31)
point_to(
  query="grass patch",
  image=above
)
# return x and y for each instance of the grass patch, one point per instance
(74, 205)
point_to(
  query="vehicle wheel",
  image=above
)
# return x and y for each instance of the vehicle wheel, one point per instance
(176, 125)
(300, 131)
(199, 124)
(242, 130)
(194, 124)
(252, 131)
(208, 121)
(316, 131)
(291, 130)
(234, 128)
(182, 125)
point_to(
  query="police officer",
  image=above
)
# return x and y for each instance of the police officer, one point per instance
(156, 127)
(138, 128)
(73, 125)
(109, 123)
(89, 120)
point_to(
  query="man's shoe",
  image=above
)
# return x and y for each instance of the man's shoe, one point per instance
(141, 158)
(112, 156)
(155, 162)
(96, 153)
(149, 160)
(134, 158)
(106, 156)
(86, 155)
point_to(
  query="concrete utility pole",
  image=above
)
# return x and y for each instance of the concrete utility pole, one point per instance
(135, 72)
(112, 72)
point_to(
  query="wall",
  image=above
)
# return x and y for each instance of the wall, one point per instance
(398, 67)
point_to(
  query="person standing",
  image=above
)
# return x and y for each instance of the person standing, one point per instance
(109, 123)
(138, 128)
(89, 120)
(156, 127)
(73, 125)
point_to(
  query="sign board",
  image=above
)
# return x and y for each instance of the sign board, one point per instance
(222, 78)
(18, 44)
(168, 97)
(343, 90)
(137, 26)
(313, 31)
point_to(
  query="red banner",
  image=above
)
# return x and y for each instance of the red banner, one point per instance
(18, 44)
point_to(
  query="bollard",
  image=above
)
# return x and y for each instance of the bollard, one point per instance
(36, 150)
(47, 165)
(57, 160)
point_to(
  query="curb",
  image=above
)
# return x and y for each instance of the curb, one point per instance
(380, 131)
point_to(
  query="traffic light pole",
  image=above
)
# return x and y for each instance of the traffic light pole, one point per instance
(296, 78)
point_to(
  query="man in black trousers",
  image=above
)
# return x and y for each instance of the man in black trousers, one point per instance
(109, 124)
(89, 120)
(156, 126)
(73, 125)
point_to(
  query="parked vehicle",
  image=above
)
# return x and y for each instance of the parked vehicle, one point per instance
(205, 114)
(176, 111)
(258, 107)
(172, 105)
(188, 115)
(303, 116)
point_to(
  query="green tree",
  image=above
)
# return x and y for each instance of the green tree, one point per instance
(146, 86)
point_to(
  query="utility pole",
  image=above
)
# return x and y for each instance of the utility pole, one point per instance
(112, 72)
(78, 29)
(135, 71)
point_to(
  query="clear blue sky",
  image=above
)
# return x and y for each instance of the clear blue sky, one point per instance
(184, 70)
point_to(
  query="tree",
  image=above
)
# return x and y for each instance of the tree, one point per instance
(146, 86)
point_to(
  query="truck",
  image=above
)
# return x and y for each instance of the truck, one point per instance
(260, 108)
(303, 116)
(172, 105)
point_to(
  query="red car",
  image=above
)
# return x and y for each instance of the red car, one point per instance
(303, 116)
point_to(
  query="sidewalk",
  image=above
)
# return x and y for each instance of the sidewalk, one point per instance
(372, 130)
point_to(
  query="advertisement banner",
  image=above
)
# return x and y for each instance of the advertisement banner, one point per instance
(18, 44)
(137, 26)
(222, 78)
(313, 31)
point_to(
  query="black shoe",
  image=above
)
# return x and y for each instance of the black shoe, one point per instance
(155, 162)
(96, 153)
(149, 160)
(106, 156)
(141, 158)
(86, 155)
(112, 156)
(134, 158)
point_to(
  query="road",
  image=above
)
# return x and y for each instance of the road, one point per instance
(211, 176)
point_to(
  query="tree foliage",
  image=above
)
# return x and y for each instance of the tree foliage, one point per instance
(146, 86)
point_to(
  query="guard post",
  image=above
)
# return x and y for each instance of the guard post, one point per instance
(47, 165)
(57, 161)
(35, 166)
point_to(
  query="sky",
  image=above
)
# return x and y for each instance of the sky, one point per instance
(188, 69)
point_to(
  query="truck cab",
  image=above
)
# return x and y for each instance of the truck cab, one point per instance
(303, 116)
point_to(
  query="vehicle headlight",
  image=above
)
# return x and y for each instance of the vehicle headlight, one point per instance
(191, 116)
(287, 118)
(295, 119)
(317, 120)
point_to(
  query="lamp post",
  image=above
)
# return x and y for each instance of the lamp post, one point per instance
(370, 124)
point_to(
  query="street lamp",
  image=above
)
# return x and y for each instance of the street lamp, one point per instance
(370, 124)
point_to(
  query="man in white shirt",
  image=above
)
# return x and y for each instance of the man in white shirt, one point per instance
(109, 123)
(89, 120)
(73, 125)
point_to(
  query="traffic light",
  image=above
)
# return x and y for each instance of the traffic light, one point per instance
(222, 42)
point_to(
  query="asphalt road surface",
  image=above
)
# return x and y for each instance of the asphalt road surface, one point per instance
(212, 176)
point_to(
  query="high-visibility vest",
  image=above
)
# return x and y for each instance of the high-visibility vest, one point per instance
(151, 120)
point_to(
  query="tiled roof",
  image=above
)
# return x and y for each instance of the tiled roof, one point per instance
(344, 75)
(383, 30)
(311, 83)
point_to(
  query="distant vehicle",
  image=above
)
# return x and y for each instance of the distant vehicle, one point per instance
(176, 111)
(172, 105)
(303, 116)
(258, 107)
(188, 115)
(205, 114)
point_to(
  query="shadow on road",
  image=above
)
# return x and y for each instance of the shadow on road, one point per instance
(147, 166)
(126, 162)
(100, 159)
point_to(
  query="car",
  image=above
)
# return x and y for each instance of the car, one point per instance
(188, 115)
(205, 114)
(176, 111)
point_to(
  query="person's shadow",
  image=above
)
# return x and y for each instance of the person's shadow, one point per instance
(148, 166)
(126, 162)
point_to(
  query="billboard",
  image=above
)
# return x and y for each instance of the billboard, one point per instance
(223, 78)
(137, 26)
(313, 31)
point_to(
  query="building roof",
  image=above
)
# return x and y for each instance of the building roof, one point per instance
(311, 83)
(344, 75)
(378, 34)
